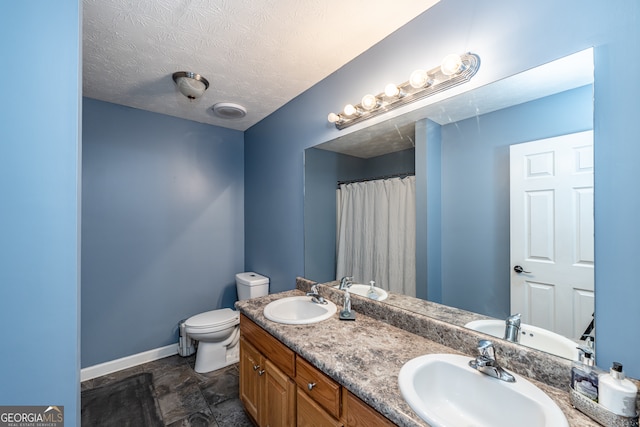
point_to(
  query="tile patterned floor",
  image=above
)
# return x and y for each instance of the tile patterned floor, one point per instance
(186, 398)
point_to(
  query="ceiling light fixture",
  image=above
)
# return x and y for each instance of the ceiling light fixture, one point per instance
(190, 84)
(453, 71)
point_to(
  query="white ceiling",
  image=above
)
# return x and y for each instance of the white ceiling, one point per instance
(257, 53)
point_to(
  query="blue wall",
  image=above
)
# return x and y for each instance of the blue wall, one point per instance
(320, 172)
(510, 37)
(399, 162)
(39, 211)
(162, 226)
(475, 194)
(428, 213)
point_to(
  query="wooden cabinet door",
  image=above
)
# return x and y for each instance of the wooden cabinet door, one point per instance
(279, 409)
(359, 414)
(250, 378)
(310, 414)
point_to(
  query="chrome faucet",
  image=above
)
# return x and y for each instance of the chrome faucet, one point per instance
(512, 328)
(345, 283)
(487, 364)
(315, 296)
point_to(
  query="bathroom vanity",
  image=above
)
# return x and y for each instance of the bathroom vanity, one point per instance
(345, 373)
(280, 388)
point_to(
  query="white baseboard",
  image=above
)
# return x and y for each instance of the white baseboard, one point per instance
(127, 362)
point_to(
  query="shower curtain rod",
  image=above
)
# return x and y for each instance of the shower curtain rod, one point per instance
(375, 178)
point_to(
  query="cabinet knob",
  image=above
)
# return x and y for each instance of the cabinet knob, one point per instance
(256, 367)
(260, 372)
(310, 386)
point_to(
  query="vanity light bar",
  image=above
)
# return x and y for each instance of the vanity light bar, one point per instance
(454, 70)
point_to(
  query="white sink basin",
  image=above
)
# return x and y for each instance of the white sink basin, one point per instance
(298, 310)
(363, 290)
(531, 336)
(445, 391)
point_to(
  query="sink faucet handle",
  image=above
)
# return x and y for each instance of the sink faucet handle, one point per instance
(514, 319)
(315, 295)
(345, 282)
(486, 349)
(486, 362)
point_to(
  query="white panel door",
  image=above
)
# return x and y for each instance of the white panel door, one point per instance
(552, 232)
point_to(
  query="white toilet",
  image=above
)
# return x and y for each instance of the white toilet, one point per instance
(218, 331)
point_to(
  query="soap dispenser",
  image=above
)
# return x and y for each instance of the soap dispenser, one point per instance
(372, 293)
(617, 393)
(584, 375)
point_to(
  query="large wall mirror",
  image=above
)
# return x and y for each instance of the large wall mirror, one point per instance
(458, 152)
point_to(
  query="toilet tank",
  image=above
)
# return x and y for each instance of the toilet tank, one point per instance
(251, 285)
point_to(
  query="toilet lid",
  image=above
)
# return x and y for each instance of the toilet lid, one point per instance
(213, 318)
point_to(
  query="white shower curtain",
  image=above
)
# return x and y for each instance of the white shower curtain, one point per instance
(376, 229)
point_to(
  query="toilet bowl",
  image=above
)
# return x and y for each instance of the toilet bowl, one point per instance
(218, 331)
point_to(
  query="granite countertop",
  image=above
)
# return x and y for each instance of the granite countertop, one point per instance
(421, 307)
(366, 355)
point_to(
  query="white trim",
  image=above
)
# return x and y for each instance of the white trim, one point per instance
(127, 362)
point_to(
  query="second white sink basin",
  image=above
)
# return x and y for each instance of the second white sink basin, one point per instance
(531, 336)
(363, 290)
(299, 310)
(445, 391)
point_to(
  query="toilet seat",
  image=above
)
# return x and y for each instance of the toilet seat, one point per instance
(222, 318)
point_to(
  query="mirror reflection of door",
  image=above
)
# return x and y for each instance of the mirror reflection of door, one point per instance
(551, 230)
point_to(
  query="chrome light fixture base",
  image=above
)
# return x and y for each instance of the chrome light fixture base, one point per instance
(435, 81)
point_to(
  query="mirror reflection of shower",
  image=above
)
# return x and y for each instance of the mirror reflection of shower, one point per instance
(375, 232)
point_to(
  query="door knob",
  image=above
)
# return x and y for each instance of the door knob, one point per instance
(518, 269)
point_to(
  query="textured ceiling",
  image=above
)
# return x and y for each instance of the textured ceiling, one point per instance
(257, 53)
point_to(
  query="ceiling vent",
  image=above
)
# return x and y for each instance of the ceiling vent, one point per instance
(229, 110)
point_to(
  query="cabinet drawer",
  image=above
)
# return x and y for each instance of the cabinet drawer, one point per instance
(318, 386)
(279, 354)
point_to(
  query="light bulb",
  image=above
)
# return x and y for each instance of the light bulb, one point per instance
(418, 79)
(369, 102)
(391, 90)
(451, 64)
(349, 110)
(333, 118)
